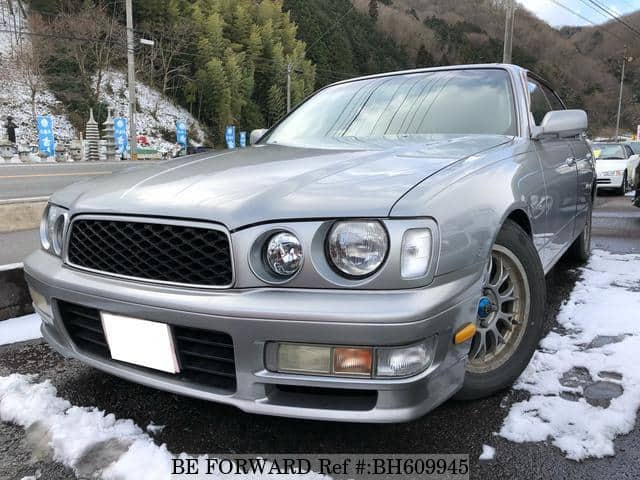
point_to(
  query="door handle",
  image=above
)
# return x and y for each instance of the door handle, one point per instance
(571, 161)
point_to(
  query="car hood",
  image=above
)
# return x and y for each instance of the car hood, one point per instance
(272, 182)
(610, 165)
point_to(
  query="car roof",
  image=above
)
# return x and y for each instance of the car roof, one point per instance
(474, 66)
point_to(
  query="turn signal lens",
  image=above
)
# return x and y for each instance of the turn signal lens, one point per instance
(352, 361)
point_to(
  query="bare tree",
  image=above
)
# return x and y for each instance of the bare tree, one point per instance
(30, 56)
(94, 41)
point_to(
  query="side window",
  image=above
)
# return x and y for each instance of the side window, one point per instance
(555, 102)
(539, 103)
(628, 150)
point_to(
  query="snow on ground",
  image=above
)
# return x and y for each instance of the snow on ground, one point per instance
(20, 329)
(584, 379)
(93, 443)
(156, 113)
(488, 453)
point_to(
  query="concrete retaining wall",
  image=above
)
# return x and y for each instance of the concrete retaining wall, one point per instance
(20, 216)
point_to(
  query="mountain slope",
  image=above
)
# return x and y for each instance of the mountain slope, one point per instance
(461, 31)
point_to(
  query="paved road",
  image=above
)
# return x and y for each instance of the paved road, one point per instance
(15, 246)
(456, 427)
(41, 180)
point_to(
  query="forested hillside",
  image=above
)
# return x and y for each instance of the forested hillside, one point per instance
(342, 42)
(463, 31)
(226, 60)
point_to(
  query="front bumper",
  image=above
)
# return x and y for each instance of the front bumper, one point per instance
(255, 316)
(610, 181)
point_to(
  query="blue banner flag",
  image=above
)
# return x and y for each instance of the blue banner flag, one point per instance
(243, 139)
(120, 134)
(181, 134)
(46, 142)
(230, 136)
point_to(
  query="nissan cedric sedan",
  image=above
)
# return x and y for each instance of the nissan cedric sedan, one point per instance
(380, 249)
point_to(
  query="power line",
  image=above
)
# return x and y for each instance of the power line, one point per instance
(615, 17)
(556, 2)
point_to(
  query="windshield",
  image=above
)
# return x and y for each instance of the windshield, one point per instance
(608, 151)
(409, 106)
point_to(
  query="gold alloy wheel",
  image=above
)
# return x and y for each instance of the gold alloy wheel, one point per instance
(503, 312)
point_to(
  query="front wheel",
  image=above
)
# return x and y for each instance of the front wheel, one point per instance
(510, 315)
(622, 189)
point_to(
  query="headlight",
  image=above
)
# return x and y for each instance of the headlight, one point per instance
(52, 229)
(283, 254)
(357, 248)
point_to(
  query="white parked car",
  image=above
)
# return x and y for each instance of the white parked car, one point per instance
(612, 160)
(633, 174)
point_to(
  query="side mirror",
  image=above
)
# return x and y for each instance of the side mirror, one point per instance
(564, 123)
(256, 135)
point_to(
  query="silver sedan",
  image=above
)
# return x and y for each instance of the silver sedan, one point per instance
(380, 249)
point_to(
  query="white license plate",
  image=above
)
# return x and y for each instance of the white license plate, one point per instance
(141, 342)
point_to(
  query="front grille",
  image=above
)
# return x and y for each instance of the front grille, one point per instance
(155, 252)
(604, 180)
(205, 357)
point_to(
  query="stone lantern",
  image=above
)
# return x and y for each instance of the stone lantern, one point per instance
(75, 151)
(24, 154)
(7, 150)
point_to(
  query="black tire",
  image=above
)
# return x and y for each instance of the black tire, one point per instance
(477, 385)
(580, 250)
(622, 189)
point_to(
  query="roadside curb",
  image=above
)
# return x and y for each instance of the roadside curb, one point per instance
(15, 300)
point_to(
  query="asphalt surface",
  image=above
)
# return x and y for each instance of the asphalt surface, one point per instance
(196, 426)
(15, 246)
(34, 180)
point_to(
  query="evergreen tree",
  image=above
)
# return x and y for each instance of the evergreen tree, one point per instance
(373, 9)
(424, 57)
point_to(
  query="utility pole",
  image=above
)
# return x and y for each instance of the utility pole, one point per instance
(289, 69)
(625, 59)
(508, 32)
(133, 141)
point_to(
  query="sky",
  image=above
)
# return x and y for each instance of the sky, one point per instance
(557, 16)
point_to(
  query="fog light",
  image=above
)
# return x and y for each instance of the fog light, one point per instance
(300, 358)
(404, 361)
(41, 303)
(352, 361)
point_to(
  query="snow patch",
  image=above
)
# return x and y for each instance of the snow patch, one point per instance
(15, 96)
(157, 113)
(488, 453)
(93, 443)
(583, 380)
(20, 329)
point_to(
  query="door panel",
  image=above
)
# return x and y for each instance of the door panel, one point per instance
(561, 178)
(585, 165)
(560, 174)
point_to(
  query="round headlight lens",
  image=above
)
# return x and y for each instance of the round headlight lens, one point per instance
(57, 235)
(54, 220)
(44, 229)
(283, 254)
(357, 248)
